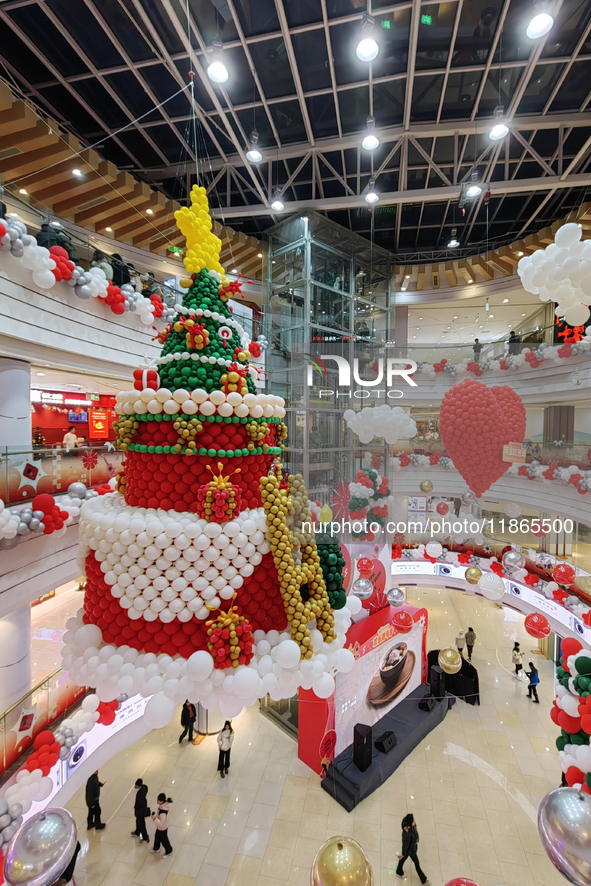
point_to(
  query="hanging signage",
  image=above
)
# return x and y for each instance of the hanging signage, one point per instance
(77, 402)
(46, 397)
(98, 424)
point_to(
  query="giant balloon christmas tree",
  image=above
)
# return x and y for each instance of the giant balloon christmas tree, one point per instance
(203, 581)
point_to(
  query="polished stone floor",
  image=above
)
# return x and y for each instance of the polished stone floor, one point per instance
(473, 787)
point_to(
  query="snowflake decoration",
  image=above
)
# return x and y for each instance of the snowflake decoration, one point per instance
(89, 460)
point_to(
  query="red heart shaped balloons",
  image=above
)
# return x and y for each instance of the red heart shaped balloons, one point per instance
(475, 423)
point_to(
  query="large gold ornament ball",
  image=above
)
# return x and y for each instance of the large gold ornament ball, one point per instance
(341, 862)
(449, 660)
(426, 486)
(472, 575)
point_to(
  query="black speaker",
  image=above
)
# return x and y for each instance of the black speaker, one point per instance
(437, 682)
(362, 746)
(385, 742)
(427, 703)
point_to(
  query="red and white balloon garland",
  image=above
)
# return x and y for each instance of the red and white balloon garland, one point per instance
(50, 266)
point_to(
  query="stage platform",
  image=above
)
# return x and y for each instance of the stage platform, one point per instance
(410, 724)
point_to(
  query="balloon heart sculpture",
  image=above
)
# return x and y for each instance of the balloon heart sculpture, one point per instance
(476, 422)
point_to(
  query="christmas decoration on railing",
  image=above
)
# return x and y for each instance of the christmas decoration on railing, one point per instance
(371, 501)
(571, 711)
(560, 273)
(53, 265)
(46, 515)
(203, 581)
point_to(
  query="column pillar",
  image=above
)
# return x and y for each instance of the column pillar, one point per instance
(401, 329)
(15, 404)
(15, 656)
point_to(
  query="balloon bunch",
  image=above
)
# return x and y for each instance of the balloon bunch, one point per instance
(63, 266)
(371, 500)
(29, 786)
(389, 422)
(561, 273)
(11, 818)
(203, 247)
(10, 521)
(476, 422)
(107, 711)
(572, 712)
(76, 495)
(54, 517)
(45, 754)
(13, 236)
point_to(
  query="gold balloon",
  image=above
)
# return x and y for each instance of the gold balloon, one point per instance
(426, 486)
(449, 660)
(472, 575)
(341, 862)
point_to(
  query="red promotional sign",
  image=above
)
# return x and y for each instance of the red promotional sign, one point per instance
(98, 424)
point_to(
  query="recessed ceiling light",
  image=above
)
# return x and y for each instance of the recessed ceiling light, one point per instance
(408, 276)
(109, 230)
(233, 271)
(22, 191)
(455, 318)
(539, 25)
(420, 318)
(481, 327)
(77, 172)
(505, 301)
(491, 316)
(519, 253)
(14, 215)
(523, 315)
(40, 373)
(150, 211)
(470, 281)
(260, 255)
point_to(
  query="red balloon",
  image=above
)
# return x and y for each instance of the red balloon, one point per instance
(537, 625)
(461, 881)
(586, 723)
(574, 776)
(44, 738)
(554, 716)
(570, 646)
(442, 508)
(563, 574)
(108, 717)
(43, 502)
(568, 723)
(403, 622)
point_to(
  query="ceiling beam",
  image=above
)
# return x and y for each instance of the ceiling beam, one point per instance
(420, 195)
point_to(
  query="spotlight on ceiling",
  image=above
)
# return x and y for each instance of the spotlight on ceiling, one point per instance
(77, 172)
(277, 205)
(500, 128)
(473, 189)
(540, 23)
(367, 47)
(372, 196)
(371, 141)
(454, 241)
(22, 191)
(253, 155)
(216, 69)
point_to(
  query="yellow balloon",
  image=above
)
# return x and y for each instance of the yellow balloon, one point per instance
(426, 486)
(325, 514)
(472, 575)
(341, 862)
(449, 660)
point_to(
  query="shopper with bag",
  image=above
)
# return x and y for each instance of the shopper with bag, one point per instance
(160, 819)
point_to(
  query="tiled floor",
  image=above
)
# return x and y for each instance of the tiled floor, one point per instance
(473, 787)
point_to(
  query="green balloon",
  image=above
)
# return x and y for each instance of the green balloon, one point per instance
(583, 664)
(560, 743)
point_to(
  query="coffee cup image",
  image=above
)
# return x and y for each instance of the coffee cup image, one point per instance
(392, 663)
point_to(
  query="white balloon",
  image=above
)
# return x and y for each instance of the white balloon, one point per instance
(288, 654)
(246, 682)
(353, 604)
(324, 686)
(159, 711)
(90, 703)
(345, 661)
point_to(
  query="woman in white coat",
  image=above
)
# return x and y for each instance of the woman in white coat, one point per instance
(225, 739)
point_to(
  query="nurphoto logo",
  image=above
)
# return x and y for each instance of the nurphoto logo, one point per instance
(388, 371)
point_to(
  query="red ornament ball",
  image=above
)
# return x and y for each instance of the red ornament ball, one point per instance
(442, 508)
(403, 622)
(365, 566)
(564, 574)
(537, 625)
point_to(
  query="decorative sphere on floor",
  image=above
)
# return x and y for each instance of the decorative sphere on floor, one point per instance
(564, 823)
(426, 486)
(513, 561)
(362, 588)
(396, 597)
(341, 862)
(473, 575)
(449, 660)
(41, 850)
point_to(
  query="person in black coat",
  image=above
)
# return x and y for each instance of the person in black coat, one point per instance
(141, 811)
(120, 270)
(93, 792)
(410, 845)
(188, 716)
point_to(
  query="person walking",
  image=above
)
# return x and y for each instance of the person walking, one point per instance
(470, 641)
(93, 792)
(160, 819)
(517, 658)
(513, 343)
(457, 506)
(534, 679)
(141, 811)
(477, 348)
(225, 739)
(410, 845)
(188, 716)
(461, 642)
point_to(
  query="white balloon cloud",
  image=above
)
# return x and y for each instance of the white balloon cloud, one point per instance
(389, 422)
